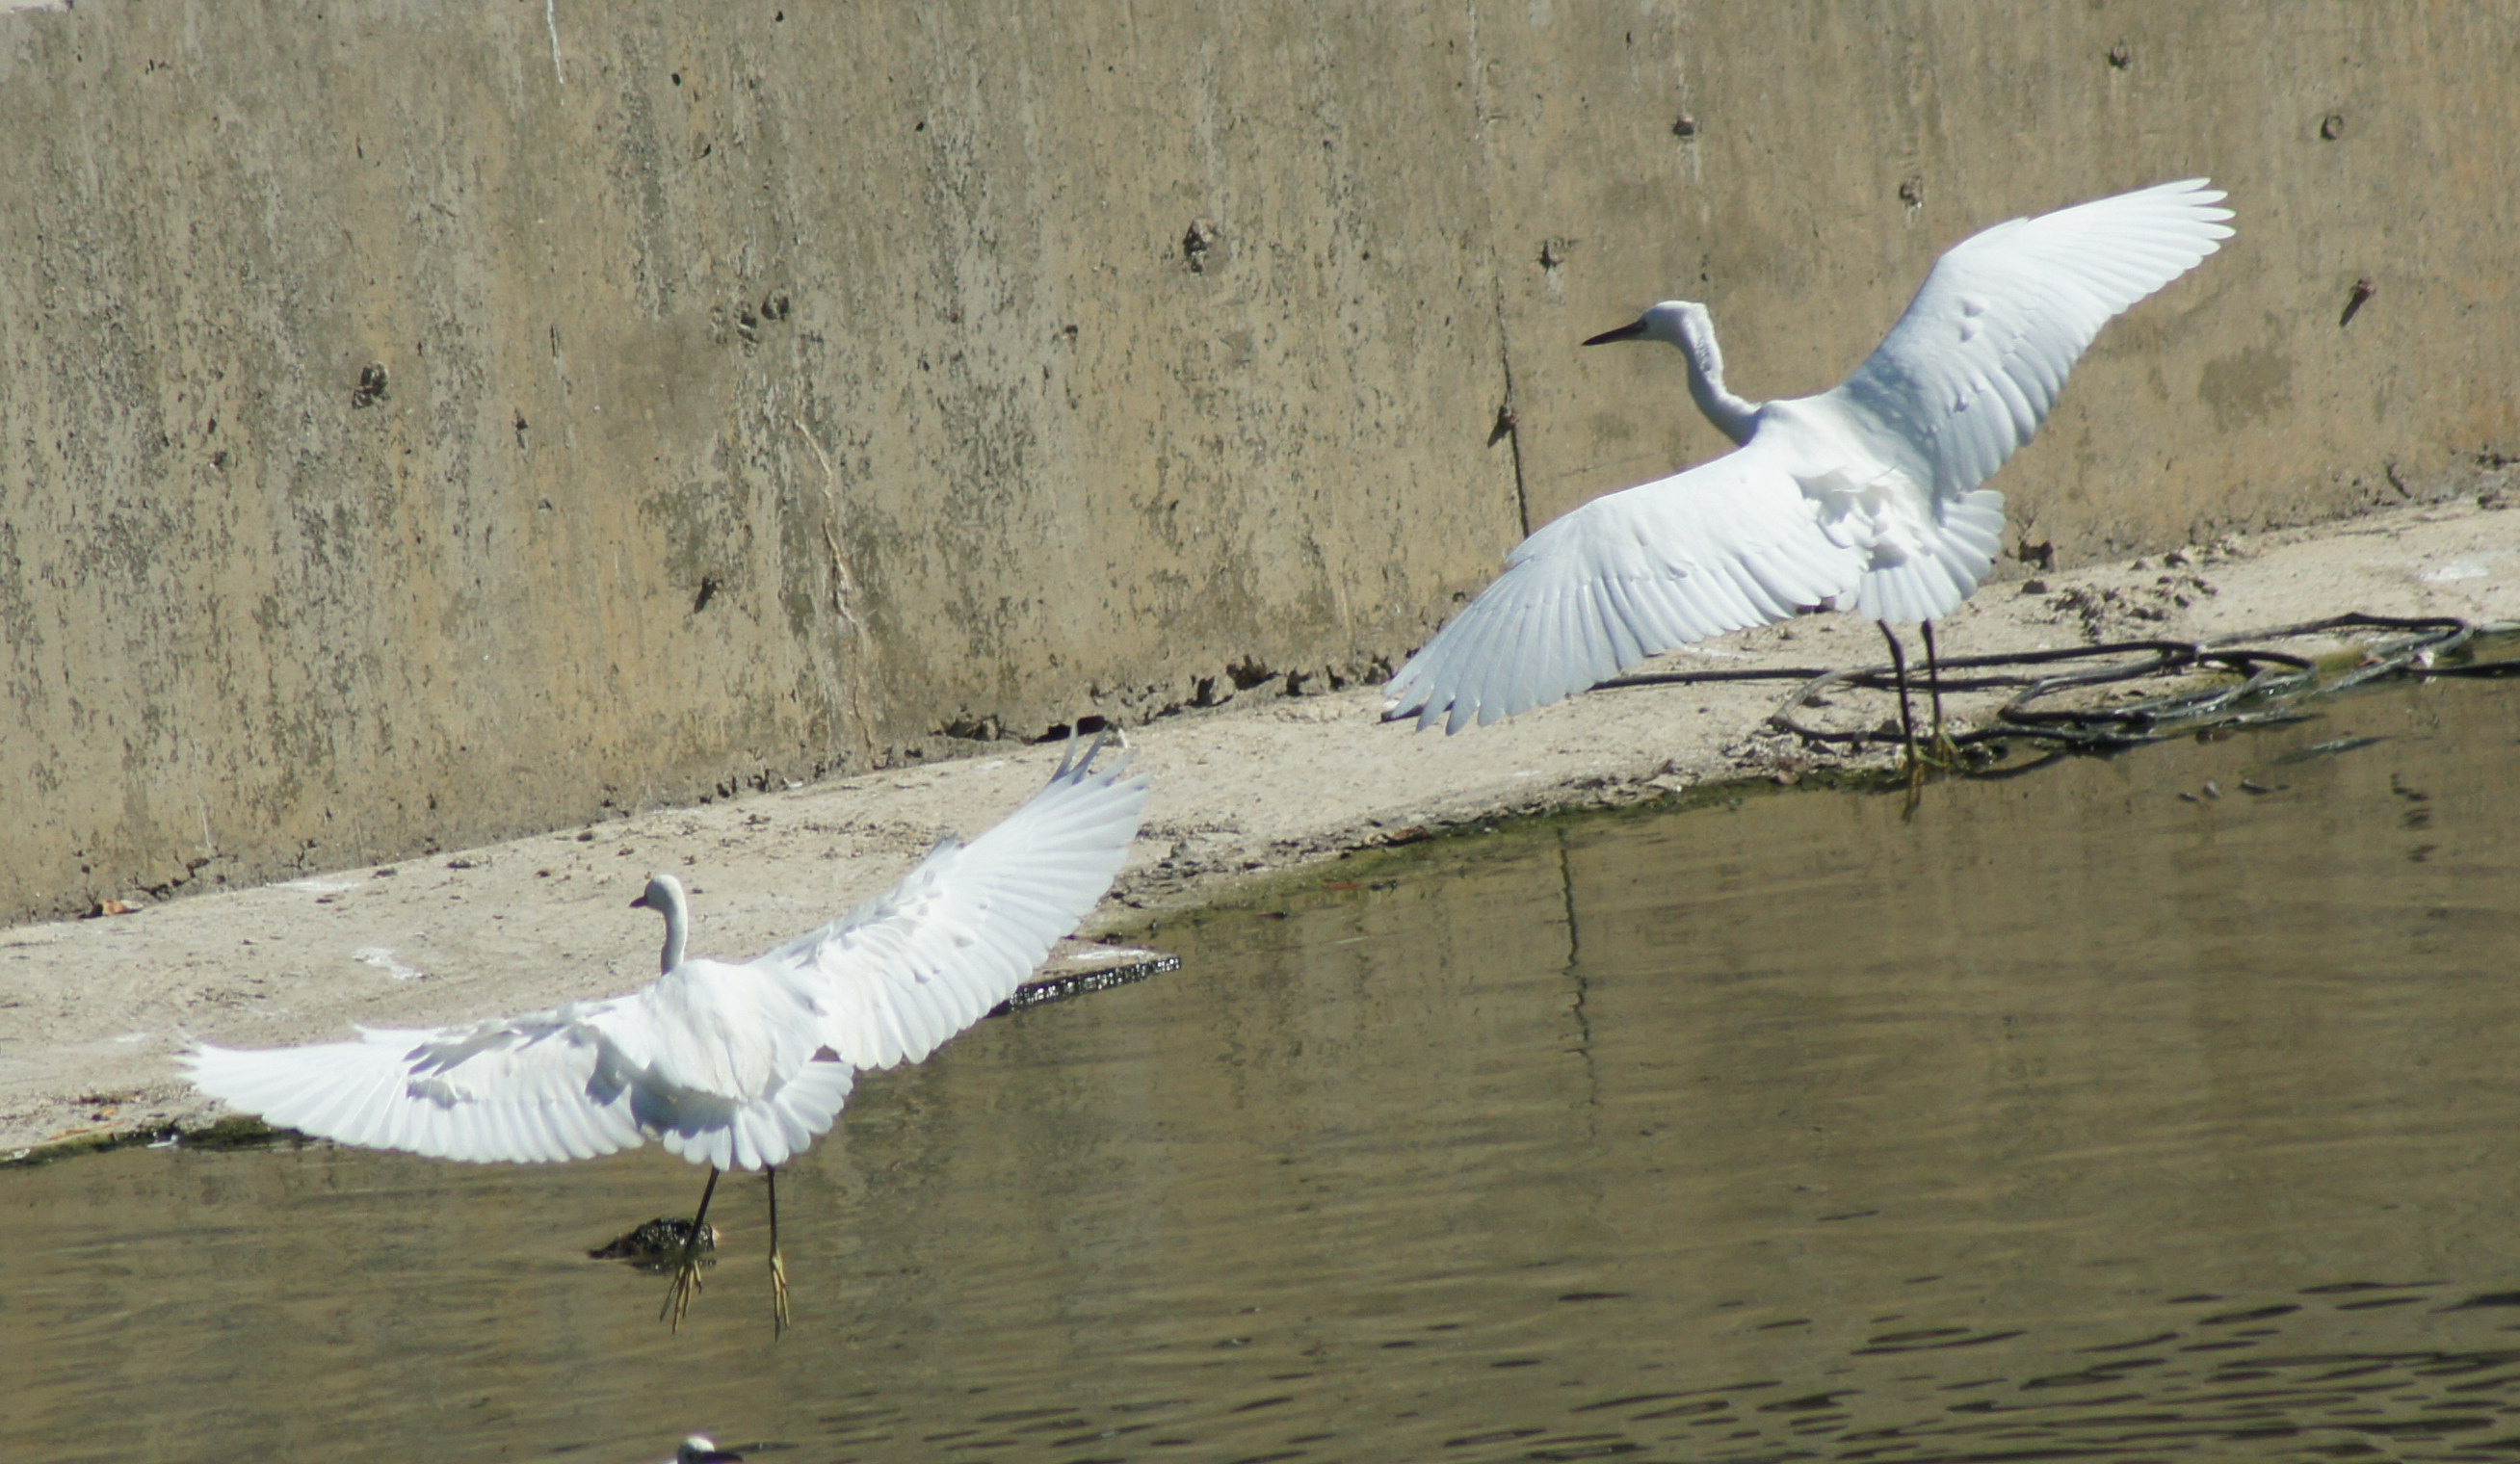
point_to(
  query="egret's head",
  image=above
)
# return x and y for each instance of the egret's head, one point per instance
(664, 894)
(1670, 322)
(700, 1449)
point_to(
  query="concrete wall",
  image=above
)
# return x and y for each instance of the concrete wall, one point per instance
(419, 424)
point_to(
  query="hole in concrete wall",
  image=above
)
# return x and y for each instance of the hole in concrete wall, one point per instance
(1085, 727)
(2355, 298)
(1248, 671)
(1196, 241)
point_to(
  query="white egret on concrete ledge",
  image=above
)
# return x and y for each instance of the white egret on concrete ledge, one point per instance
(1864, 498)
(728, 1066)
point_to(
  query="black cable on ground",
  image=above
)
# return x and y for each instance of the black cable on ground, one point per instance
(2267, 685)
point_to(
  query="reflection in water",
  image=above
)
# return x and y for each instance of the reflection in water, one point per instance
(2071, 1119)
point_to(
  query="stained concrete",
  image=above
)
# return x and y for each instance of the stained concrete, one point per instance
(423, 425)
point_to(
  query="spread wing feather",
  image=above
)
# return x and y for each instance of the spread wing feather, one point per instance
(904, 971)
(523, 1089)
(1973, 365)
(1725, 546)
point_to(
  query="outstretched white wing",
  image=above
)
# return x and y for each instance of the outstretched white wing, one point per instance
(522, 1089)
(904, 971)
(712, 1061)
(1722, 547)
(1974, 365)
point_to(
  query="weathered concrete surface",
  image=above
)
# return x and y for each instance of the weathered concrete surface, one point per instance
(420, 425)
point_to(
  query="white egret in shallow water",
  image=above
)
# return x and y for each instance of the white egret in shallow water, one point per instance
(728, 1066)
(1864, 498)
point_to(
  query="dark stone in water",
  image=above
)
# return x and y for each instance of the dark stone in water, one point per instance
(1079, 982)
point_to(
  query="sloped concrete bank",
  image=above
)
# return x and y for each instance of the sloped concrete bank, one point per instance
(423, 425)
(91, 1011)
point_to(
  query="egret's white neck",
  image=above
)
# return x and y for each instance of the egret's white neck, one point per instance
(664, 896)
(676, 924)
(1692, 329)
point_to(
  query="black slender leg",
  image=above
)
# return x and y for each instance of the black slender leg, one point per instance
(1906, 712)
(1940, 741)
(778, 1268)
(687, 1275)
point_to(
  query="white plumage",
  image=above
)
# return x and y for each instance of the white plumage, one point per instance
(1863, 498)
(738, 1065)
(731, 1066)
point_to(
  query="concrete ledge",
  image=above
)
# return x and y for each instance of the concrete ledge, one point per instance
(93, 1009)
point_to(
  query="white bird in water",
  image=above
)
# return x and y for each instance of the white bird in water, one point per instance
(700, 1448)
(730, 1066)
(1865, 497)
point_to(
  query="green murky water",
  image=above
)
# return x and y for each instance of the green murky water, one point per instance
(2068, 1119)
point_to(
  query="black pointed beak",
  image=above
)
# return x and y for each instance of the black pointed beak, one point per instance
(640, 902)
(1628, 331)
